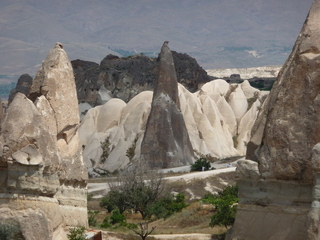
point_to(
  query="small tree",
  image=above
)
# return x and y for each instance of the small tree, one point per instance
(201, 163)
(226, 206)
(143, 230)
(115, 199)
(138, 186)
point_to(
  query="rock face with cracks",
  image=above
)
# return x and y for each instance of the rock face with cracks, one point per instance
(43, 177)
(166, 141)
(279, 195)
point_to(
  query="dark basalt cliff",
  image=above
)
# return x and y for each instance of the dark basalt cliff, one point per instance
(125, 77)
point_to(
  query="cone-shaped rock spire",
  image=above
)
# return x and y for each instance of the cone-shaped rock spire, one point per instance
(42, 173)
(279, 194)
(166, 141)
(292, 112)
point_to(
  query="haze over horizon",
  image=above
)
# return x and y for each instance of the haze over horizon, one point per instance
(217, 33)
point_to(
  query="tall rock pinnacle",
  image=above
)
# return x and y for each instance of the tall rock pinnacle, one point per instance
(279, 194)
(166, 141)
(292, 112)
(42, 174)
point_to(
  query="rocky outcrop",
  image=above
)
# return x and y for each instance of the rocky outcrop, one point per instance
(22, 86)
(210, 120)
(166, 141)
(283, 203)
(126, 77)
(43, 176)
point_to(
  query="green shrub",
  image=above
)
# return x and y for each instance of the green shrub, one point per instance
(107, 203)
(225, 214)
(117, 217)
(92, 218)
(166, 206)
(106, 223)
(201, 163)
(77, 233)
(225, 203)
(9, 232)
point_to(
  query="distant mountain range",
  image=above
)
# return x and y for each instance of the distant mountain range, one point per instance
(218, 33)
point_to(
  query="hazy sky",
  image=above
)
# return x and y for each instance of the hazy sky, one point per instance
(218, 33)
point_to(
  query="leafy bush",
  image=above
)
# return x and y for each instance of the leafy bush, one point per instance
(113, 200)
(9, 232)
(106, 223)
(166, 206)
(225, 203)
(201, 163)
(77, 233)
(117, 217)
(92, 218)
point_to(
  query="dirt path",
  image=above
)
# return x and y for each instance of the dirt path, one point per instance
(190, 236)
(101, 189)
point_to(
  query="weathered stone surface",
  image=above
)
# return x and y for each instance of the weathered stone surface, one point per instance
(247, 169)
(283, 200)
(166, 141)
(293, 123)
(41, 165)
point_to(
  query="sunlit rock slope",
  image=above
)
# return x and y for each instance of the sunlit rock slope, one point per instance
(218, 118)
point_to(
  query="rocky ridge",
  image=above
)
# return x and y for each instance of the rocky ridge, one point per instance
(126, 77)
(279, 196)
(43, 176)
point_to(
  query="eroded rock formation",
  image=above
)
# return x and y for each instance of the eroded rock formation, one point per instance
(210, 120)
(43, 176)
(279, 196)
(166, 141)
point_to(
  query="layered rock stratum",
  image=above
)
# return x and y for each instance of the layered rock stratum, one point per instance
(43, 177)
(279, 196)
